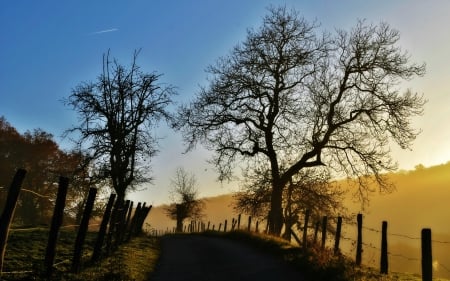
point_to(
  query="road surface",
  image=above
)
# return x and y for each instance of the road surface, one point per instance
(198, 258)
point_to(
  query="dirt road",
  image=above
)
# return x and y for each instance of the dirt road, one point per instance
(198, 258)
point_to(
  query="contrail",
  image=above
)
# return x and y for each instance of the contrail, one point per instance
(105, 31)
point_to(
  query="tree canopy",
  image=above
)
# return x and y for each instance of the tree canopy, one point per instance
(117, 116)
(295, 98)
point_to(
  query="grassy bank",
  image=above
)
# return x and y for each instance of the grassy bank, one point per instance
(25, 252)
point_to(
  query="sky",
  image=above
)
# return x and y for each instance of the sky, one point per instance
(49, 47)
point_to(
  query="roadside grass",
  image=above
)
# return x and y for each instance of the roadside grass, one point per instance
(134, 260)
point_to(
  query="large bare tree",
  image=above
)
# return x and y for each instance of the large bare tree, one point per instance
(311, 98)
(117, 116)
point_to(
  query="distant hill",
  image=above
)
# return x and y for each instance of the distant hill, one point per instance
(421, 199)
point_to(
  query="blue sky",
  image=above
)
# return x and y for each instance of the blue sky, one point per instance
(48, 47)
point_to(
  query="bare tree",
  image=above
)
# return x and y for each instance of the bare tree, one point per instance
(184, 195)
(117, 114)
(310, 98)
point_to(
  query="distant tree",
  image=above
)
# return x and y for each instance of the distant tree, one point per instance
(185, 201)
(312, 99)
(117, 114)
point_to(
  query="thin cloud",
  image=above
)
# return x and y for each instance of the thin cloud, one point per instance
(105, 31)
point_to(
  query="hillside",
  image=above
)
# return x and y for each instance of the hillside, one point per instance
(421, 199)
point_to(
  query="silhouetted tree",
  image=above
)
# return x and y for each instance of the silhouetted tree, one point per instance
(313, 99)
(184, 195)
(117, 114)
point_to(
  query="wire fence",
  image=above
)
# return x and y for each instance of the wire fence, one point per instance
(416, 260)
(117, 226)
(351, 247)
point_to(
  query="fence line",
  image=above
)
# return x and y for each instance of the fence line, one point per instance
(119, 227)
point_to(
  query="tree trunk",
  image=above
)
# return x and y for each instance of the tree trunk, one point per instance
(276, 210)
(289, 220)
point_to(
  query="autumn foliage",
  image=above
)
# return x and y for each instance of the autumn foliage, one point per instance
(38, 153)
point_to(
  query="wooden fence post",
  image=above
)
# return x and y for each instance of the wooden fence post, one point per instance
(127, 223)
(123, 221)
(145, 212)
(81, 235)
(113, 226)
(120, 224)
(220, 226)
(257, 227)
(427, 258)
(208, 225)
(249, 223)
(338, 236)
(384, 249)
(324, 231)
(359, 219)
(8, 212)
(57, 219)
(305, 230)
(102, 231)
(134, 221)
(225, 226)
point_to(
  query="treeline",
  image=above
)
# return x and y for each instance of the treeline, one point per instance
(38, 153)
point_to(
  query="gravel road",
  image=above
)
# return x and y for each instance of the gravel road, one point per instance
(197, 258)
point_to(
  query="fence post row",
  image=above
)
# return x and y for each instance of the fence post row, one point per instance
(8, 212)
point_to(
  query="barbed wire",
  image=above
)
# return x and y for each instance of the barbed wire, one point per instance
(46, 228)
(369, 245)
(35, 193)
